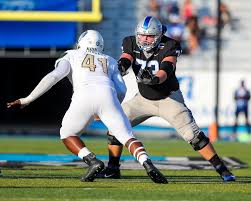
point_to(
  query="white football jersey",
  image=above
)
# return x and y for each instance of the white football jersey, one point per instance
(98, 90)
(90, 68)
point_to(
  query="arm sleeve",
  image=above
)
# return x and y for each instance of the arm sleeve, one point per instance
(168, 67)
(119, 84)
(62, 70)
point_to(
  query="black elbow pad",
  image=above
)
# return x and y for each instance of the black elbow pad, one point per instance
(168, 67)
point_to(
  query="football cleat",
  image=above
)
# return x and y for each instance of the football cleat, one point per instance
(227, 176)
(155, 175)
(95, 167)
(110, 173)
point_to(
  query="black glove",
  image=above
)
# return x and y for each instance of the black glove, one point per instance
(123, 65)
(122, 69)
(146, 76)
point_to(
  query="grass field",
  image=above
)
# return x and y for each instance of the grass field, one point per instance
(62, 183)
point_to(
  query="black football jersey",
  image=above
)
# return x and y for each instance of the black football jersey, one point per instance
(166, 47)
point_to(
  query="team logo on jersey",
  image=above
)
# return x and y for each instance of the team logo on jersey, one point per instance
(178, 53)
(161, 45)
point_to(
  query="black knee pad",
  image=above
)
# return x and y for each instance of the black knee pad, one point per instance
(200, 141)
(112, 140)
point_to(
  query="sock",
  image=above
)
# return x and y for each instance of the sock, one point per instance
(83, 152)
(113, 162)
(142, 158)
(218, 164)
(137, 149)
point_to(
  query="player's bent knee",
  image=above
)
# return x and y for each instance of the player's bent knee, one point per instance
(199, 142)
(65, 133)
(112, 140)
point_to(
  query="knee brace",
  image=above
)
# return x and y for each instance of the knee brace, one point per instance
(112, 140)
(199, 142)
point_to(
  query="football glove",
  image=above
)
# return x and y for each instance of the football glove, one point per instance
(146, 76)
(122, 70)
(123, 65)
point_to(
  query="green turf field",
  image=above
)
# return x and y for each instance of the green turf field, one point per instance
(62, 183)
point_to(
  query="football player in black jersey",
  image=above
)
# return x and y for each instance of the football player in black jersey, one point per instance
(153, 58)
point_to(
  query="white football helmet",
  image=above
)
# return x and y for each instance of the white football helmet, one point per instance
(91, 39)
(148, 26)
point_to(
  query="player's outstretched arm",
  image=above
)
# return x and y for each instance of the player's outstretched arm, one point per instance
(124, 63)
(119, 85)
(44, 85)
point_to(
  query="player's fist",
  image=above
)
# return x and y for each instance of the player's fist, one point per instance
(145, 76)
(16, 103)
(122, 69)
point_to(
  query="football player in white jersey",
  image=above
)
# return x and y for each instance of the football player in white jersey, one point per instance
(98, 90)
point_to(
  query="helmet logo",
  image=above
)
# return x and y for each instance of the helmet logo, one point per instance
(146, 22)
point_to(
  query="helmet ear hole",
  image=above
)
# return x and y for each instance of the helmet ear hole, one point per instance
(149, 26)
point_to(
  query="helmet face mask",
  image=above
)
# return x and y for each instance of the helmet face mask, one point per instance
(91, 40)
(148, 26)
